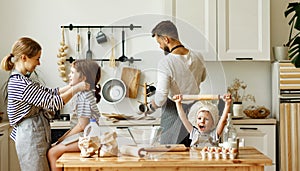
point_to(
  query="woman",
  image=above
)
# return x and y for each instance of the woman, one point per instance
(28, 102)
(84, 109)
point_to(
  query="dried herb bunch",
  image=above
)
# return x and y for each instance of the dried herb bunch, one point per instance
(237, 91)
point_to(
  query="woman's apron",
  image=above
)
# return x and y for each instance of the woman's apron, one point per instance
(33, 139)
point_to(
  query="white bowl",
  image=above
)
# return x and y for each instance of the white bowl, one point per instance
(113, 91)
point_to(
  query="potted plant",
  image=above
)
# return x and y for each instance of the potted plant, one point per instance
(293, 43)
(237, 90)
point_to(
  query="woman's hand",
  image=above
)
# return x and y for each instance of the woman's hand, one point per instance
(81, 86)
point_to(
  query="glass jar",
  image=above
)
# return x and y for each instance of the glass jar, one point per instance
(230, 134)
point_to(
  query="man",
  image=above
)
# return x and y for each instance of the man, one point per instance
(180, 72)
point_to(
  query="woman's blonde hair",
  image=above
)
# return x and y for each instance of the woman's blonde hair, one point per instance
(23, 46)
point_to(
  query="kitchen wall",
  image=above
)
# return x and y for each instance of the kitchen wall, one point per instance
(41, 20)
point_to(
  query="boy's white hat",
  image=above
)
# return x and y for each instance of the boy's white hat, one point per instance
(207, 106)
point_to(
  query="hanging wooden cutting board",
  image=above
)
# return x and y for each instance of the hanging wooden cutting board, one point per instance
(131, 78)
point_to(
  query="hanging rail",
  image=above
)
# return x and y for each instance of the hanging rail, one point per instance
(122, 58)
(71, 26)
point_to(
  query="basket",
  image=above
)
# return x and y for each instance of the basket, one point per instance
(257, 112)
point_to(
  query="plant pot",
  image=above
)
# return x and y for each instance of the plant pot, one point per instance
(280, 53)
(237, 109)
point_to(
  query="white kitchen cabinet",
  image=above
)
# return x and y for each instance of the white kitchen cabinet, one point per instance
(202, 15)
(4, 157)
(236, 29)
(262, 137)
(244, 30)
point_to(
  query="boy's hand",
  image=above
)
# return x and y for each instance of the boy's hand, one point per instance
(177, 98)
(227, 98)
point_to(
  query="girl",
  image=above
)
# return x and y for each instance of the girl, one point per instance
(208, 127)
(27, 102)
(85, 108)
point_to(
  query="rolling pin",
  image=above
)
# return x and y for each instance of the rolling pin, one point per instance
(133, 151)
(166, 147)
(200, 97)
(143, 151)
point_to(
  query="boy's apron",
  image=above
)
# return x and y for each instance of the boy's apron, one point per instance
(33, 139)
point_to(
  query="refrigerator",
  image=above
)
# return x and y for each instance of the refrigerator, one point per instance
(286, 109)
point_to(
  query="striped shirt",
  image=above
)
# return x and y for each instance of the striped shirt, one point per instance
(23, 93)
(85, 106)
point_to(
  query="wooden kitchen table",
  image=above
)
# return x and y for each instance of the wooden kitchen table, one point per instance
(249, 159)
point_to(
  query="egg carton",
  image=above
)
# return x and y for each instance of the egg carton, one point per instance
(219, 153)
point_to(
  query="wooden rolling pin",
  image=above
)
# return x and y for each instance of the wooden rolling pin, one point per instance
(201, 97)
(143, 151)
(166, 147)
(133, 151)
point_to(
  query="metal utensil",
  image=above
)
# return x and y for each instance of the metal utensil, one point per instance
(131, 136)
(89, 53)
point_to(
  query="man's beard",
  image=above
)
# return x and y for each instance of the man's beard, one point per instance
(166, 50)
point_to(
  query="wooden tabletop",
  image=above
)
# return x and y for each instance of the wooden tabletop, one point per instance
(248, 157)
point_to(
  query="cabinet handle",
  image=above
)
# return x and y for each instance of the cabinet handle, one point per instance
(240, 59)
(121, 127)
(248, 128)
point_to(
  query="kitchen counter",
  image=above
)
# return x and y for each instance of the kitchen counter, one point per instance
(121, 123)
(249, 121)
(248, 159)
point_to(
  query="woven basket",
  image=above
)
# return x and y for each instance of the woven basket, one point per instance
(257, 112)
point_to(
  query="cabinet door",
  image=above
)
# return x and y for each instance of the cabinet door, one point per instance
(244, 30)
(3, 149)
(196, 22)
(13, 158)
(262, 137)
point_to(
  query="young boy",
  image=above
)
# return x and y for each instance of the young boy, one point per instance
(208, 128)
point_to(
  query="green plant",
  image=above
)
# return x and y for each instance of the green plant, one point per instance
(293, 43)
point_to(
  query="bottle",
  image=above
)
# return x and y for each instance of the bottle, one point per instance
(230, 134)
(92, 129)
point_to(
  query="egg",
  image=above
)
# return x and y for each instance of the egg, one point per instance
(225, 150)
(233, 150)
(218, 150)
(212, 149)
(205, 149)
